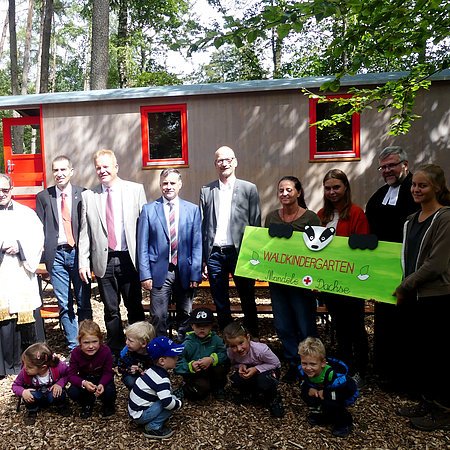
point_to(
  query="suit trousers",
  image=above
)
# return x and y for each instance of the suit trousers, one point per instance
(121, 278)
(171, 290)
(220, 264)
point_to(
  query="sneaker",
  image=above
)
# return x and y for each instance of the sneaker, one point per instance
(342, 432)
(220, 395)
(276, 407)
(162, 433)
(64, 411)
(30, 418)
(179, 393)
(420, 410)
(108, 411)
(438, 420)
(291, 376)
(359, 380)
(86, 411)
(316, 419)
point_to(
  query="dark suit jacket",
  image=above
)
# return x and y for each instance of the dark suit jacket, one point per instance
(47, 210)
(245, 210)
(154, 243)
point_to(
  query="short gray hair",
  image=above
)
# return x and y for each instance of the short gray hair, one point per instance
(393, 150)
(166, 172)
(6, 177)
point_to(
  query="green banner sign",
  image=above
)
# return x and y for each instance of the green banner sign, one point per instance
(337, 268)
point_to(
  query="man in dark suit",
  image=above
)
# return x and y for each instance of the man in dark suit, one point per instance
(228, 205)
(59, 209)
(170, 253)
(107, 244)
(386, 212)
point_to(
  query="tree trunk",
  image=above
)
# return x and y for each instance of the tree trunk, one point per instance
(100, 44)
(45, 45)
(13, 48)
(5, 30)
(122, 43)
(26, 50)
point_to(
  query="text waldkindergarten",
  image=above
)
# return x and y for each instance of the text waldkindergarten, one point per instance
(335, 265)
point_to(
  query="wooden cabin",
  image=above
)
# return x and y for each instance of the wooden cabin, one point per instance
(266, 122)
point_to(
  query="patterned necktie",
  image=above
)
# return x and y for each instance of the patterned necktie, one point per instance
(173, 235)
(112, 241)
(67, 221)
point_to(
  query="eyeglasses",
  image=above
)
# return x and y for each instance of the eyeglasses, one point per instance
(389, 166)
(5, 190)
(224, 161)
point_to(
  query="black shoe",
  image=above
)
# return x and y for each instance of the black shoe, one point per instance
(108, 411)
(316, 419)
(291, 376)
(419, 410)
(276, 407)
(86, 411)
(220, 395)
(437, 420)
(30, 418)
(179, 393)
(64, 410)
(162, 433)
(342, 432)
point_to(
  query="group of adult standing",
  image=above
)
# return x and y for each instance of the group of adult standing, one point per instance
(167, 245)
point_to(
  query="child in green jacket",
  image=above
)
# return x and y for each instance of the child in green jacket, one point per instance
(204, 363)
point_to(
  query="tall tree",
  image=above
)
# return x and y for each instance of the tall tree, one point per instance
(100, 45)
(13, 48)
(26, 52)
(46, 31)
(364, 32)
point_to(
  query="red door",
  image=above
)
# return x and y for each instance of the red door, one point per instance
(24, 159)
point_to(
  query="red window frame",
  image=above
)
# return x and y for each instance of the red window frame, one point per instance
(147, 162)
(352, 154)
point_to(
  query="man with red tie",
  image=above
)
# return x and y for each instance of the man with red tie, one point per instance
(59, 209)
(107, 244)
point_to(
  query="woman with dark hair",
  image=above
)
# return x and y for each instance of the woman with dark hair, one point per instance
(347, 313)
(423, 298)
(294, 308)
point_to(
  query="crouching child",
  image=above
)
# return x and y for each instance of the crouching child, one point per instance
(326, 388)
(151, 402)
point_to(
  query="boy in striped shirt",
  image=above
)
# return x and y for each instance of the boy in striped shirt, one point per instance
(151, 401)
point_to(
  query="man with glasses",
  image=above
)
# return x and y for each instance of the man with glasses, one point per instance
(386, 212)
(21, 242)
(228, 205)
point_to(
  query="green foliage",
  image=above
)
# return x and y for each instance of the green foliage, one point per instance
(158, 78)
(374, 35)
(231, 64)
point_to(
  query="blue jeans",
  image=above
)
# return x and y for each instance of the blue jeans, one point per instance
(63, 272)
(294, 317)
(220, 265)
(154, 416)
(171, 290)
(45, 398)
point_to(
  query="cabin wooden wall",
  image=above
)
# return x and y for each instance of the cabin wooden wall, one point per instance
(268, 131)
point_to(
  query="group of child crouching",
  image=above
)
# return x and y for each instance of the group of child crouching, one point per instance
(203, 360)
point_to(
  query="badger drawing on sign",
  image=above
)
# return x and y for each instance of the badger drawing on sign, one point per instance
(317, 238)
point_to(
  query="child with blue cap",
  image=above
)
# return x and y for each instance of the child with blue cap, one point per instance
(151, 401)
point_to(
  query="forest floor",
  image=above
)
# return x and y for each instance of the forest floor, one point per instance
(215, 425)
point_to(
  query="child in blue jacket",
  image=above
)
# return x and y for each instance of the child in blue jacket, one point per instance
(326, 388)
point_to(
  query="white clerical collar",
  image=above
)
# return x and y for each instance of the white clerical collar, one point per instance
(391, 196)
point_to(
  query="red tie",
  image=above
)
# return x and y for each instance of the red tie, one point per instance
(112, 241)
(67, 221)
(173, 236)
